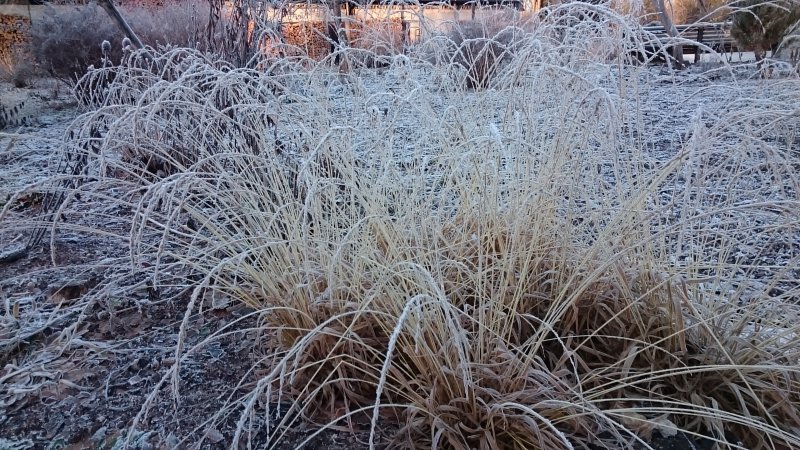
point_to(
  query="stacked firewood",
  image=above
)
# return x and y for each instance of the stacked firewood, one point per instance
(383, 34)
(13, 34)
(310, 37)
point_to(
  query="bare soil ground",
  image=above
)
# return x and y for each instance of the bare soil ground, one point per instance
(74, 374)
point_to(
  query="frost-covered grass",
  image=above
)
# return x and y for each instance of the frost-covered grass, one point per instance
(512, 267)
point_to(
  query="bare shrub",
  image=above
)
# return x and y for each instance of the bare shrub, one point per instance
(17, 67)
(691, 11)
(760, 26)
(23, 72)
(478, 48)
(179, 23)
(789, 47)
(478, 52)
(234, 28)
(67, 40)
(306, 38)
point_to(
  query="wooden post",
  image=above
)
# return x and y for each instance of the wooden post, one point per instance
(699, 50)
(666, 20)
(404, 30)
(112, 11)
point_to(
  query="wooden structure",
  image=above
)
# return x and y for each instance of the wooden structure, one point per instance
(716, 36)
(380, 26)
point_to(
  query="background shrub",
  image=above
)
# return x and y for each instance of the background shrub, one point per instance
(691, 11)
(760, 26)
(67, 40)
(481, 48)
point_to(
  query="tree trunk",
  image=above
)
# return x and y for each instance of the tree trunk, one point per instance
(666, 21)
(335, 33)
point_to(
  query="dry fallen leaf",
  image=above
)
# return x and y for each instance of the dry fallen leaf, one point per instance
(638, 424)
(214, 436)
(665, 426)
(644, 427)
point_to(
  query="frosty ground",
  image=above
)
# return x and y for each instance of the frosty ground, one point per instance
(79, 387)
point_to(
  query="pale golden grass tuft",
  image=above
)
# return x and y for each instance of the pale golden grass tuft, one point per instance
(502, 268)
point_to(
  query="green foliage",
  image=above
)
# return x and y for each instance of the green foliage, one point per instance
(760, 26)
